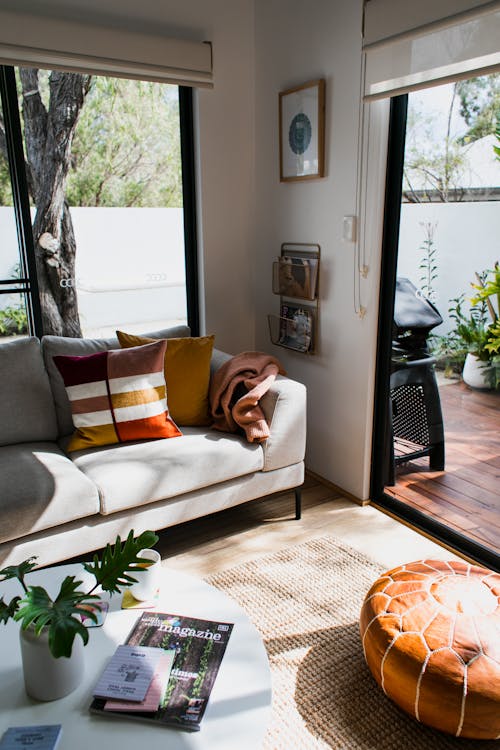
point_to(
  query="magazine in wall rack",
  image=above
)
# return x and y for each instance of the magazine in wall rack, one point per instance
(296, 276)
(199, 646)
(296, 326)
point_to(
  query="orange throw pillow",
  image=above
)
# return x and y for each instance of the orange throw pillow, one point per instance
(187, 374)
(117, 396)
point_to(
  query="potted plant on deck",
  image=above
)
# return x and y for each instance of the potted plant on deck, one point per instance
(49, 626)
(479, 331)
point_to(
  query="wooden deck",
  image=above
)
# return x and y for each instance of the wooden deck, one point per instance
(466, 496)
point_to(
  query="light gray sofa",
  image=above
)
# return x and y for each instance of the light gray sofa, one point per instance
(57, 505)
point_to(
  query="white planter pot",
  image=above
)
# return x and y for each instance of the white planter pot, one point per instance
(476, 374)
(45, 677)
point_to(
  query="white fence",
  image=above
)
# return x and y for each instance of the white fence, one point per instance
(129, 266)
(130, 261)
(466, 238)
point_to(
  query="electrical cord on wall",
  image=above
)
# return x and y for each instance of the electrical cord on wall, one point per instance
(360, 264)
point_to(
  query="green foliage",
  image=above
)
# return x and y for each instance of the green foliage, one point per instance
(435, 156)
(13, 320)
(449, 352)
(8, 610)
(470, 328)
(493, 343)
(126, 149)
(479, 106)
(61, 616)
(428, 264)
(487, 288)
(496, 149)
(112, 571)
(5, 186)
(478, 331)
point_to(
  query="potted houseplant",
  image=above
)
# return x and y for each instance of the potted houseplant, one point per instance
(478, 331)
(488, 293)
(49, 626)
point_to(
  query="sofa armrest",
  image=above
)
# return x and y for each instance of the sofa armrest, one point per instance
(284, 406)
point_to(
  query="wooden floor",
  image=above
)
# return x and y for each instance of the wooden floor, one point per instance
(466, 496)
(213, 543)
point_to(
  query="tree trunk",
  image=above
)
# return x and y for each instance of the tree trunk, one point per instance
(49, 137)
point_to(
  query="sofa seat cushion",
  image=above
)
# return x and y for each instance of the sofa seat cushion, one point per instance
(134, 474)
(41, 488)
(26, 407)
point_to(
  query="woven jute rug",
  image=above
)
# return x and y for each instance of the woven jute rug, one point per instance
(305, 601)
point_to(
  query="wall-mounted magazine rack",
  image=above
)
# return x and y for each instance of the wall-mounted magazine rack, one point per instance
(296, 280)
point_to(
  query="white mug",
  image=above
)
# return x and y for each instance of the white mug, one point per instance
(148, 577)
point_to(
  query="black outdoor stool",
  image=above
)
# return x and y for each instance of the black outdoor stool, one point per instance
(416, 420)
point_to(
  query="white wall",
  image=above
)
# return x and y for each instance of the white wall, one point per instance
(465, 238)
(226, 138)
(297, 42)
(130, 267)
(260, 48)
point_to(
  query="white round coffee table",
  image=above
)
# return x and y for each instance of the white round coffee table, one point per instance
(237, 714)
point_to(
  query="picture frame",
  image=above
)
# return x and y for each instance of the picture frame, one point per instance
(302, 132)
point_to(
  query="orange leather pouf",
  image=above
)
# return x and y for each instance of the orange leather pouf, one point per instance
(431, 638)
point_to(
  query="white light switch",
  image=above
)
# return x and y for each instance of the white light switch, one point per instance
(349, 229)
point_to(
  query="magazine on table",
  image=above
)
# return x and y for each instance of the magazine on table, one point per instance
(38, 737)
(296, 326)
(199, 646)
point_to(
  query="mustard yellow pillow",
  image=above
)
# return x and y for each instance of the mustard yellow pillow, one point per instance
(187, 374)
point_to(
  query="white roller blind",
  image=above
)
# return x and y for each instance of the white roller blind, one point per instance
(53, 43)
(437, 51)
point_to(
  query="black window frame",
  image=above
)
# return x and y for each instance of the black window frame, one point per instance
(381, 443)
(27, 284)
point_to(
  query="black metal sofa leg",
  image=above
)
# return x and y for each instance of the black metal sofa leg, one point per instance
(298, 503)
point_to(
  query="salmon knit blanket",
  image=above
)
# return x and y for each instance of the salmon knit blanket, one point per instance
(236, 389)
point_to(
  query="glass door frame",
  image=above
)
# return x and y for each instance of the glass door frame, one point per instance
(27, 284)
(382, 442)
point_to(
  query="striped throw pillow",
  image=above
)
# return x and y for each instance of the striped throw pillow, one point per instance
(117, 396)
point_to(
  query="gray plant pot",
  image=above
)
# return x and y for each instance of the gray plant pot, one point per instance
(45, 677)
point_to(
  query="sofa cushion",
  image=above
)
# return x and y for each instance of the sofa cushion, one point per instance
(187, 372)
(54, 345)
(41, 488)
(26, 406)
(134, 474)
(117, 396)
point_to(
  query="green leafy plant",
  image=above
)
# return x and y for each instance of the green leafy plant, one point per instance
(470, 330)
(61, 617)
(449, 353)
(488, 293)
(428, 264)
(478, 330)
(13, 320)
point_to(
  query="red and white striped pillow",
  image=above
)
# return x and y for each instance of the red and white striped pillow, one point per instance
(117, 396)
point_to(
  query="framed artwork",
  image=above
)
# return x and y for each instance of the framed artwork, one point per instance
(302, 132)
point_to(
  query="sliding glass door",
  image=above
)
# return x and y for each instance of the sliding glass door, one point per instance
(425, 249)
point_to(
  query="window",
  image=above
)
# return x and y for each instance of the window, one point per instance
(104, 162)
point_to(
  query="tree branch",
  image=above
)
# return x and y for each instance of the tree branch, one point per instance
(35, 127)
